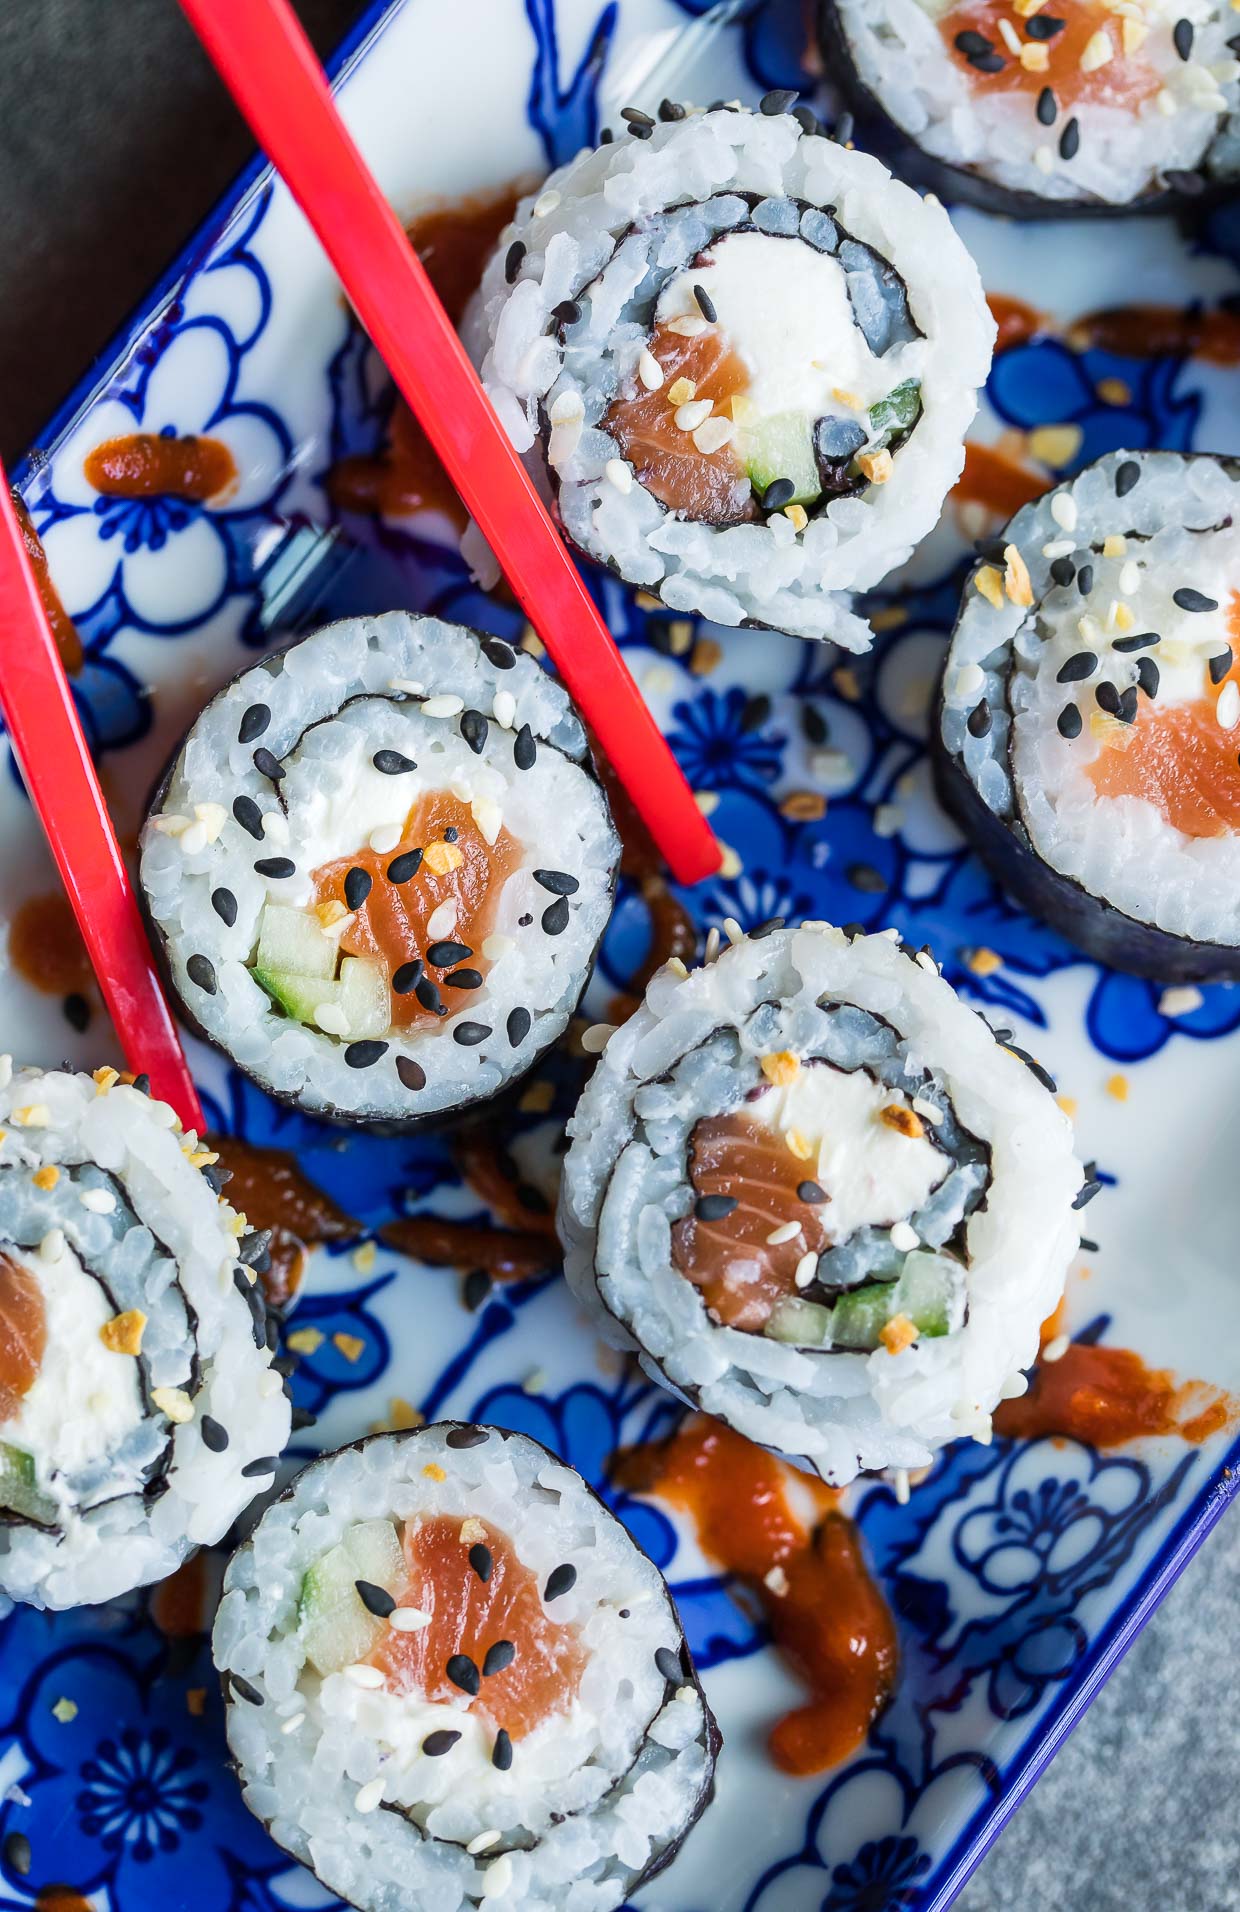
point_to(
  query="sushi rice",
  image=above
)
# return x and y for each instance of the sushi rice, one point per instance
(840, 317)
(401, 1797)
(139, 1393)
(418, 761)
(920, 1179)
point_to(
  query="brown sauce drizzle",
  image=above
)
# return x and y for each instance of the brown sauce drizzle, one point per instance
(62, 1898)
(1000, 483)
(181, 1604)
(828, 1617)
(270, 1190)
(507, 1254)
(491, 1173)
(147, 465)
(1149, 331)
(1107, 1396)
(454, 243)
(46, 947)
(1017, 321)
(672, 929)
(64, 630)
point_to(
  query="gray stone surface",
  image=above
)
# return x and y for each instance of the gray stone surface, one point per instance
(116, 140)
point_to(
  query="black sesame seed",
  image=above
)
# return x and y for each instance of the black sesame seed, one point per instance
(970, 42)
(555, 917)
(1069, 722)
(705, 304)
(766, 929)
(477, 1286)
(1070, 140)
(276, 866)
(807, 119)
(1087, 1192)
(390, 763)
(443, 954)
(992, 62)
(606, 136)
(863, 876)
(470, 1034)
(524, 749)
(142, 1083)
(501, 1752)
(518, 1026)
(1190, 600)
(671, 110)
(411, 1073)
(498, 653)
(1182, 38)
(523, 922)
(1219, 666)
(439, 1742)
(843, 130)
(214, 1436)
(1048, 107)
(567, 312)
(482, 1563)
(1127, 709)
(1043, 26)
(249, 816)
(376, 1600)
(474, 730)
(357, 884)
(429, 997)
(301, 1417)
(1178, 179)
(216, 1178)
(778, 493)
(559, 882)
(286, 1364)
(402, 867)
(1079, 666)
(253, 723)
(265, 1464)
(811, 1192)
(268, 765)
(1107, 697)
(979, 720)
(76, 1011)
(17, 1854)
(1035, 1069)
(1063, 571)
(500, 1655)
(512, 260)
(362, 1055)
(668, 1664)
(561, 1580)
(754, 714)
(634, 116)
(1085, 580)
(462, 1437)
(640, 131)
(463, 979)
(1140, 641)
(201, 971)
(713, 1208)
(451, 833)
(778, 100)
(814, 725)
(463, 1673)
(1126, 476)
(244, 1689)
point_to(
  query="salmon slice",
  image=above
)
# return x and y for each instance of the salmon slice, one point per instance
(1126, 80)
(482, 1602)
(1180, 759)
(743, 1161)
(23, 1334)
(392, 922)
(711, 488)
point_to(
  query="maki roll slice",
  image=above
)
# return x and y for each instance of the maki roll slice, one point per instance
(139, 1411)
(379, 867)
(1089, 723)
(820, 1199)
(1048, 106)
(743, 360)
(453, 1677)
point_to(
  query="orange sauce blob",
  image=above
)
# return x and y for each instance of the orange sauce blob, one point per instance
(271, 1190)
(1000, 483)
(64, 630)
(454, 243)
(1179, 758)
(711, 488)
(1017, 321)
(1126, 80)
(1154, 331)
(46, 947)
(470, 1616)
(181, 1604)
(829, 1618)
(391, 923)
(23, 1334)
(148, 465)
(1106, 1396)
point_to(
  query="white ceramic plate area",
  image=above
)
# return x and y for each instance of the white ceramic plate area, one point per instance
(1018, 1572)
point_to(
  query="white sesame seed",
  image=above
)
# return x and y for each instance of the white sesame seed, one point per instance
(968, 681)
(546, 202)
(1227, 709)
(1064, 511)
(1044, 159)
(1058, 548)
(650, 372)
(364, 1676)
(496, 945)
(563, 442)
(385, 838)
(291, 1724)
(596, 1038)
(504, 709)
(619, 474)
(690, 327)
(899, 1484)
(806, 1269)
(442, 920)
(443, 704)
(714, 942)
(714, 435)
(535, 1382)
(693, 413)
(732, 930)
(408, 1619)
(904, 1238)
(482, 1842)
(1055, 1350)
(1181, 1001)
(927, 1111)
(787, 1231)
(52, 1246)
(497, 1877)
(369, 1796)
(1015, 1385)
(1011, 37)
(1130, 577)
(100, 1201)
(192, 840)
(566, 409)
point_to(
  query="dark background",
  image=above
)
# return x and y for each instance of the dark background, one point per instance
(115, 140)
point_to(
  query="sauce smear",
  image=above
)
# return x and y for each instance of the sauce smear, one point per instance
(271, 1191)
(46, 947)
(993, 479)
(391, 923)
(506, 1254)
(64, 630)
(1125, 80)
(472, 1616)
(829, 1617)
(148, 465)
(23, 1334)
(1106, 1396)
(711, 488)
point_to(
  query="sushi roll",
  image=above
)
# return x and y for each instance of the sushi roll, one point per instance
(1046, 108)
(453, 1677)
(139, 1410)
(379, 868)
(820, 1199)
(1089, 721)
(743, 360)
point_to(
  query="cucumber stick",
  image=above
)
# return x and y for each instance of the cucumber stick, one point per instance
(336, 1629)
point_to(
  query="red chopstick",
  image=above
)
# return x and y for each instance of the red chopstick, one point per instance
(271, 71)
(57, 770)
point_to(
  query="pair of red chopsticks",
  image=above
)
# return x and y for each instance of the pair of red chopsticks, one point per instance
(271, 71)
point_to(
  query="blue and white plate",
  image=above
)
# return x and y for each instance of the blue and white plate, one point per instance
(1019, 1572)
